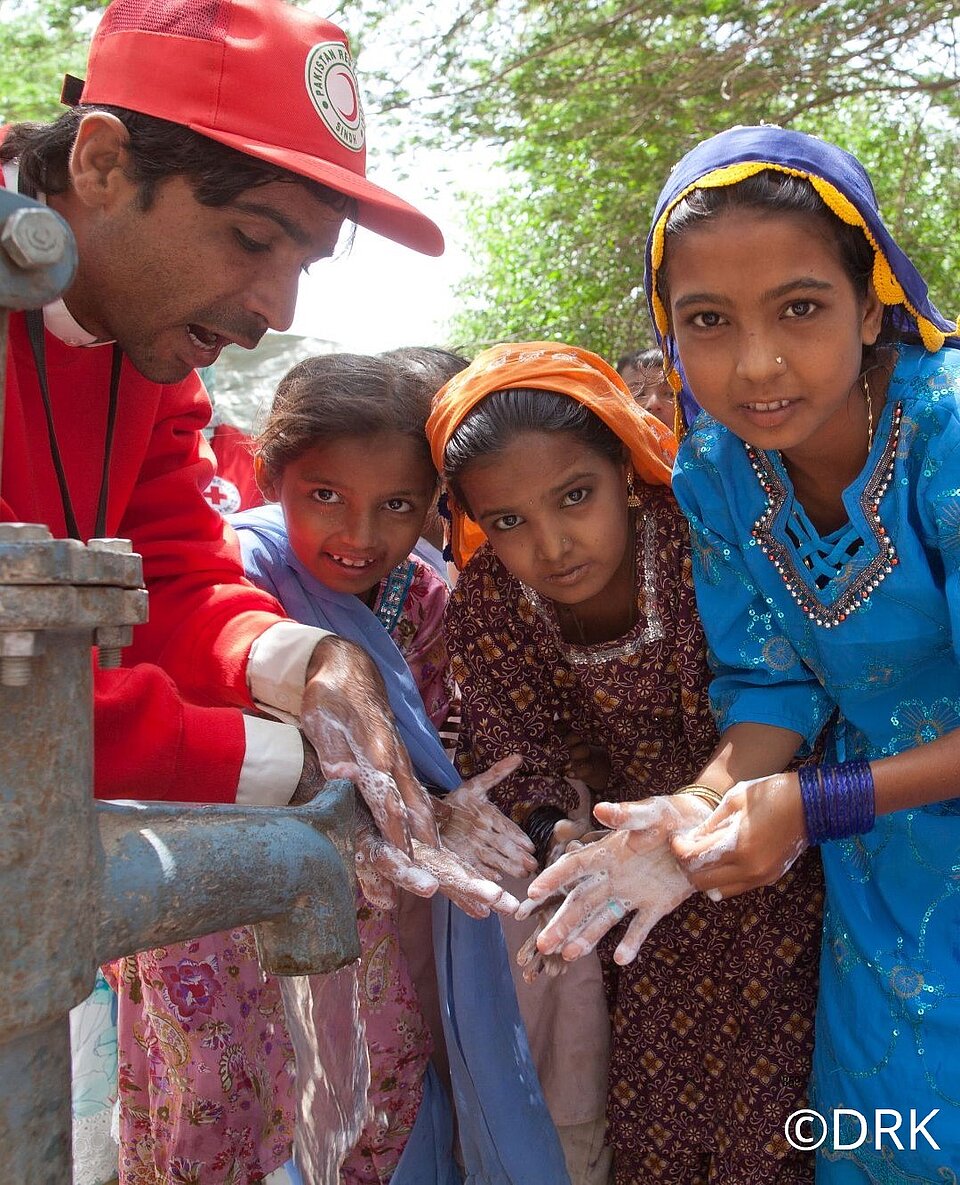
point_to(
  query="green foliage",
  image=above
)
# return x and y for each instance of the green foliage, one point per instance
(42, 40)
(592, 101)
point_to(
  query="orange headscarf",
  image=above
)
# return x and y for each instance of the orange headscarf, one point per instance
(565, 370)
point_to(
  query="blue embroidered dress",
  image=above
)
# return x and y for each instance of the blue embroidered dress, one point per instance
(884, 669)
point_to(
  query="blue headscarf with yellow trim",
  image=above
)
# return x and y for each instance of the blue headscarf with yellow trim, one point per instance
(843, 185)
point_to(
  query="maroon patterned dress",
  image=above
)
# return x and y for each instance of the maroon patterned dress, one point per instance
(713, 1021)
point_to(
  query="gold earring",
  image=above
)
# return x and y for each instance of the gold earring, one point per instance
(867, 396)
(633, 502)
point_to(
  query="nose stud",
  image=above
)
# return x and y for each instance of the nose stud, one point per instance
(779, 360)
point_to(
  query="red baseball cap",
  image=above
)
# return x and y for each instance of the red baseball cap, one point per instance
(261, 76)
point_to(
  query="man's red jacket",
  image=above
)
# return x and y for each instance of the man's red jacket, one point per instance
(156, 731)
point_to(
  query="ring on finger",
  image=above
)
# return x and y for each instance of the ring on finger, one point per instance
(616, 908)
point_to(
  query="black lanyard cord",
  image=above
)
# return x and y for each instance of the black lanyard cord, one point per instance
(35, 331)
(116, 363)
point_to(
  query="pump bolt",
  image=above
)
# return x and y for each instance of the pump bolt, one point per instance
(34, 238)
(110, 640)
(17, 649)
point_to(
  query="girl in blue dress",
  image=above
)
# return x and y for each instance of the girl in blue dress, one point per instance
(822, 484)
(821, 480)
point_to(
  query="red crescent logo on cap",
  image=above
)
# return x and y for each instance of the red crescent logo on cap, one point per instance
(332, 87)
(343, 92)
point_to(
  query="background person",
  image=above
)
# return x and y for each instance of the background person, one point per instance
(642, 371)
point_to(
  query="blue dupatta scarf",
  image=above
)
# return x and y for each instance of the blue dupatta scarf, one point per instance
(844, 187)
(505, 1132)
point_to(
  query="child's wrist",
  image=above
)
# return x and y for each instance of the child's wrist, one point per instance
(712, 797)
(838, 800)
(539, 825)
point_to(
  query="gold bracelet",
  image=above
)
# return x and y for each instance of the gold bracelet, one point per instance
(707, 793)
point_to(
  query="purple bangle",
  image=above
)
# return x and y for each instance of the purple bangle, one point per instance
(838, 800)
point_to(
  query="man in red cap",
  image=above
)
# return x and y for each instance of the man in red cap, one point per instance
(211, 156)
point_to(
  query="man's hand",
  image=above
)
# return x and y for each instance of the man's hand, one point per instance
(347, 717)
(311, 776)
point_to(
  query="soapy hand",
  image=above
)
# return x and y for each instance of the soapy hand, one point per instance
(569, 835)
(627, 871)
(476, 895)
(751, 839)
(476, 830)
(531, 959)
(382, 868)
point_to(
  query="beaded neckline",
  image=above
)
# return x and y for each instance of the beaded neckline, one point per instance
(393, 593)
(649, 627)
(782, 556)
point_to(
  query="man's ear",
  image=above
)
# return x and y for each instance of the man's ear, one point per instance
(98, 160)
(265, 484)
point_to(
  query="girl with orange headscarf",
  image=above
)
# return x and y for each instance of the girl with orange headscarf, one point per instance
(577, 616)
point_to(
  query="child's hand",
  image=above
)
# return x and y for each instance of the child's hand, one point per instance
(460, 882)
(627, 871)
(661, 816)
(588, 764)
(532, 960)
(475, 829)
(750, 840)
(382, 869)
(572, 831)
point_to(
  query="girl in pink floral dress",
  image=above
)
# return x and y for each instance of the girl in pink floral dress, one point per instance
(206, 1058)
(344, 458)
(206, 1066)
(207, 1076)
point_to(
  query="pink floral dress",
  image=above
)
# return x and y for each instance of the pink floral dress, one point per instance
(207, 1076)
(206, 1066)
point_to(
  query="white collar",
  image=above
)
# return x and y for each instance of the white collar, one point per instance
(57, 318)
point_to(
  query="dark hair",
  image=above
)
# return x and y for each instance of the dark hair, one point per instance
(503, 415)
(428, 364)
(773, 192)
(158, 150)
(639, 359)
(648, 359)
(334, 395)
